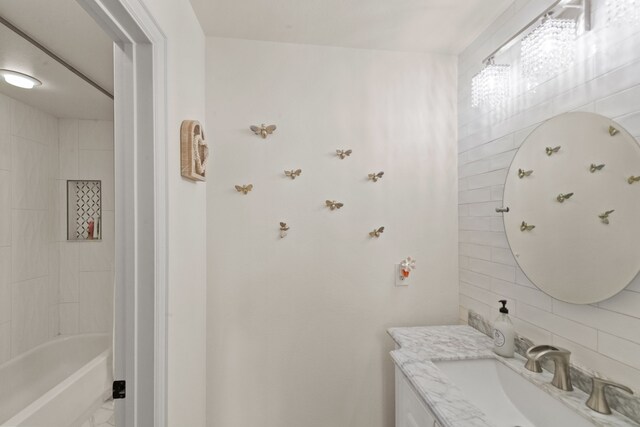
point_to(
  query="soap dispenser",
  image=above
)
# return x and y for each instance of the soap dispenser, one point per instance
(503, 333)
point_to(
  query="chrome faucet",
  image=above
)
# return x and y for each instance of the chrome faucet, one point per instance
(561, 377)
(598, 399)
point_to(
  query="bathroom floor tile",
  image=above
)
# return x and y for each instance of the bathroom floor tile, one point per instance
(103, 417)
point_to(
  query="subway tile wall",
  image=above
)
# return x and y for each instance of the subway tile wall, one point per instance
(605, 79)
(28, 290)
(86, 267)
(49, 286)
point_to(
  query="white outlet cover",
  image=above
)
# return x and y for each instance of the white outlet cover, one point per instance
(401, 281)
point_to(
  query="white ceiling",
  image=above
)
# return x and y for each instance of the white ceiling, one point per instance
(444, 26)
(66, 29)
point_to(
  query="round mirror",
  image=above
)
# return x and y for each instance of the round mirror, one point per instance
(573, 193)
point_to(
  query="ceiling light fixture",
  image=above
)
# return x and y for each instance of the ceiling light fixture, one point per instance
(19, 79)
(490, 88)
(623, 12)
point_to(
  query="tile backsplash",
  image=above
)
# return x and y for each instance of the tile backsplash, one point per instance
(49, 286)
(605, 79)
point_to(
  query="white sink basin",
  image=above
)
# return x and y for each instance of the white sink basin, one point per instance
(506, 398)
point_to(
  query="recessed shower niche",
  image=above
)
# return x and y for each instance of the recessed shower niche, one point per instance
(84, 210)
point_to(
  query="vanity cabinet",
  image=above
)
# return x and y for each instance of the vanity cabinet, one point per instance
(410, 410)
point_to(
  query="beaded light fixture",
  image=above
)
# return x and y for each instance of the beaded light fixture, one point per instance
(490, 88)
(549, 49)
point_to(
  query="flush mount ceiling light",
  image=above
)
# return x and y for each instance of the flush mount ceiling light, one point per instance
(490, 87)
(19, 79)
(548, 49)
(623, 12)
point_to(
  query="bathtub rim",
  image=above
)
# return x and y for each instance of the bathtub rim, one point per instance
(55, 340)
(40, 402)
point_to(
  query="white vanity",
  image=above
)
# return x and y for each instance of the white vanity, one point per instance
(448, 376)
(411, 411)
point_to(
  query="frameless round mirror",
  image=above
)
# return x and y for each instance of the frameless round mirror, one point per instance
(573, 192)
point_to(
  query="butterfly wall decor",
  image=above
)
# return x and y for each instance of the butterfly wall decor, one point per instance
(283, 229)
(376, 232)
(375, 176)
(562, 197)
(526, 227)
(293, 173)
(604, 217)
(343, 153)
(523, 173)
(553, 150)
(263, 130)
(244, 189)
(333, 205)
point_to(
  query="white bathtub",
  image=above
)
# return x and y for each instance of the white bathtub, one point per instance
(57, 384)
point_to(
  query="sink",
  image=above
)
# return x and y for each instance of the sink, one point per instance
(506, 398)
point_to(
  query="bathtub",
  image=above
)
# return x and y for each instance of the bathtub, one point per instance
(57, 384)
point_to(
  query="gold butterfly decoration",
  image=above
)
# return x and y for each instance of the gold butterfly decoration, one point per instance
(376, 232)
(244, 189)
(263, 130)
(526, 227)
(522, 173)
(343, 153)
(594, 168)
(333, 205)
(375, 176)
(633, 179)
(605, 216)
(550, 150)
(293, 173)
(283, 229)
(562, 197)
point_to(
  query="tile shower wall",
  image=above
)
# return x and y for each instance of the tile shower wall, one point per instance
(605, 79)
(86, 267)
(28, 254)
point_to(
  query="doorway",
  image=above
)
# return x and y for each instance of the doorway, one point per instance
(141, 198)
(137, 189)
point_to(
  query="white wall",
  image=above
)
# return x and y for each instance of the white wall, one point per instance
(187, 221)
(28, 287)
(605, 79)
(85, 267)
(296, 327)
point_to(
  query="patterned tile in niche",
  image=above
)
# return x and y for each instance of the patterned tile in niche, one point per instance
(88, 196)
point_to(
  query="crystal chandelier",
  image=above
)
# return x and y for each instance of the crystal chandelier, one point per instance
(490, 87)
(623, 11)
(548, 49)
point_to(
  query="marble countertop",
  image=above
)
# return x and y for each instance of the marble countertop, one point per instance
(420, 346)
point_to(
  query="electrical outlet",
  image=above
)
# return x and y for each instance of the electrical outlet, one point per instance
(400, 279)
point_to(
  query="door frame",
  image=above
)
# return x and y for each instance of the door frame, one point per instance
(141, 191)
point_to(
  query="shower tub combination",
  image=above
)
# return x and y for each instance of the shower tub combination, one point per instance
(57, 384)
